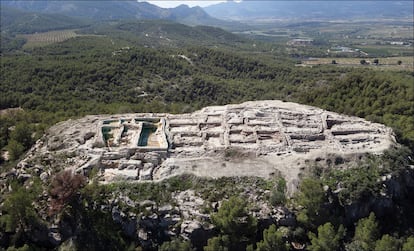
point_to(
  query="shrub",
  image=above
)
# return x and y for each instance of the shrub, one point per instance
(387, 243)
(278, 196)
(272, 240)
(310, 198)
(232, 219)
(219, 243)
(366, 232)
(22, 133)
(409, 244)
(15, 149)
(63, 189)
(176, 244)
(327, 238)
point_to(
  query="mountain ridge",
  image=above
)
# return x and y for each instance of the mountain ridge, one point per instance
(251, 10)
(18, 21)
(116, 10)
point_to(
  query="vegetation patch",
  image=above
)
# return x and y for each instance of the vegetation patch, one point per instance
(47, 38)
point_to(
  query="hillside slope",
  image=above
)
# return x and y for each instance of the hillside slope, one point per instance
(17, 21)
(154, 33)
(116, 10)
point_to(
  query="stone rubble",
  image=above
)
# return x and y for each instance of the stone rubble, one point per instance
(258, 138)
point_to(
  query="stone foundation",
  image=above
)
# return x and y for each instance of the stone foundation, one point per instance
(254, 138)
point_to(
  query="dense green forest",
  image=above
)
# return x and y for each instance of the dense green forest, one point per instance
(87, 75)
(119, 69)
(14, 21)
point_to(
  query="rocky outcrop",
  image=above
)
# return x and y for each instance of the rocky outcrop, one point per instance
(398, 190)
(257, 138)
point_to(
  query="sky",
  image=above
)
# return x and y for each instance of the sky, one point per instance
(191, 3)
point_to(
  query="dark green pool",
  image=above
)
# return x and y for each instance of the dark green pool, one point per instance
(147, 130)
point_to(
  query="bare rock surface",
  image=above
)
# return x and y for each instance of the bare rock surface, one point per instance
(258, 138)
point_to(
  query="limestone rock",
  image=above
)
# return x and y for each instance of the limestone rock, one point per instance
(112, 156)
(145, 174)
(284, 217)
(257, 138)
(190, 204)
(188, 227)
(24, 176)
(44, 176)
(55, 238)
(165, 209)
(194, 231)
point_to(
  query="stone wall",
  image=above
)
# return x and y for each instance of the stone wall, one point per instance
(257, 138)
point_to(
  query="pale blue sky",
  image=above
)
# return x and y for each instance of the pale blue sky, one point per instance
(191, 3)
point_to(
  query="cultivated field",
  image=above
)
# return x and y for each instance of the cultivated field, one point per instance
(46, 38)
(407, 63)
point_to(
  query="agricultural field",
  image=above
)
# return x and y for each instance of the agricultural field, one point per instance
(388, 50)
(389, 63)
(46, 38)
(391, 30)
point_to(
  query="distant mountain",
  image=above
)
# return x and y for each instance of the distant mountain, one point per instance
(17, 21)
(261, 10)
(97, 10)
(115, 10)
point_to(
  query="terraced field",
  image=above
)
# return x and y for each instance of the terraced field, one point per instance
(46, 38)
(391, 63)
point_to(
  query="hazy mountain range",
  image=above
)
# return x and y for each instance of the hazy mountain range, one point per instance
(253, 10)
(245, 10)
(20, 16)
(114, 10)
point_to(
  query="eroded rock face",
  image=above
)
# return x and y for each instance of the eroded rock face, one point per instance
(257, 138)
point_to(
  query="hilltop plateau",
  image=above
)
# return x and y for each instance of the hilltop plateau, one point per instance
(162, 177)
(260, 138)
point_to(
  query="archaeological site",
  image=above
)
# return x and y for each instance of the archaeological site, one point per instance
(259, 138)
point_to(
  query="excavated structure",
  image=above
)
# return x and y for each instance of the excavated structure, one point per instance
(258, 138)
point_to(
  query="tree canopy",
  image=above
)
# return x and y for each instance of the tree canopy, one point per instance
(272, 240)
(327, 238)
(367, 232)
(233, 220)
(310, 199)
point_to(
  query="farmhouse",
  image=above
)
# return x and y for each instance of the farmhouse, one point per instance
(300, 42)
